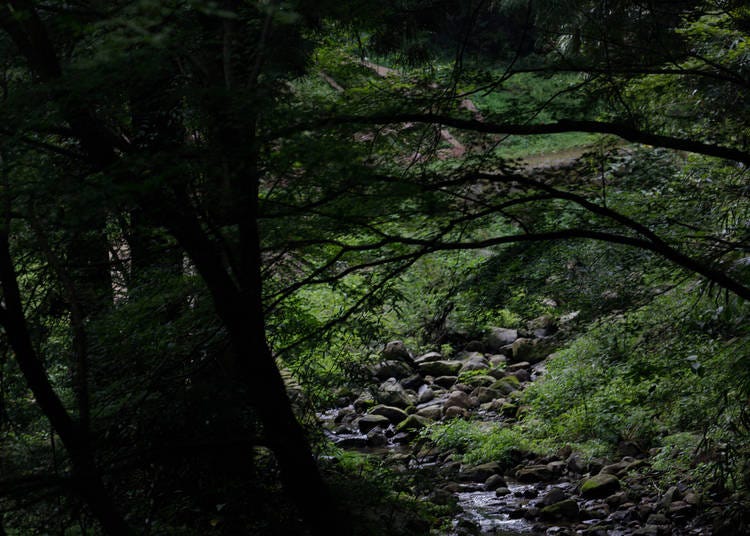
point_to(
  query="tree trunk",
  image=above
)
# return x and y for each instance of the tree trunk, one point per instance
(256, 374)
(86, 478)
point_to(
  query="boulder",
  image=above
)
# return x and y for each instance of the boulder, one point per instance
(396, 350)
(434, 413)
(519, 366)
(534, 473)
(505, 385)
(494, 482)
(600, 486)
(425, 394)
(391, 393)
(445, 381)
(363, 402)
(454, 412)
(368, 422)
(429, 356)
(499, 338)
(441, 368)
(567, 509)
(458, 399)
(497, 360)
(412, 423)
(480, 473)
(544, 326)
(485, 394)
(376, 438)
(414, 382)
(480, 381)
(393, 414)
(474, 364)
(391, 369)
(553, 496)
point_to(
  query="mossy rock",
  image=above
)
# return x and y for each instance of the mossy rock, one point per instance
(393, 414)
(412, 423)
(441, 368)
(600, 486)
(567, 509)
(481, 380)
(505, 386)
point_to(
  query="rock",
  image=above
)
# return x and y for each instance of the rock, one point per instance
(414, 382)
(524, 350)
(495, 482)
(497, 360)
(396, 350)
(544, 326)
(480, 473)
(534, 473)
(481, 381)
(429, 356)
(458, 399)
(352, 442)
(505, 386)
(474, 365)
(672, 494)
(499, 338)
(502, 492)
(497, 373)
(425, 394)
(391, 393)
(441, 368)
(509, 409)
(455, 411)
(393, 414)
(445, 381)
(412, 423)
(376, 438)
(600, 486)
(368, 422)
(567, 509)
(391, 369)
(431, 412)
(681, 509)
(485, 394)
(523, 365)
(522, 375)
(363, 402)
(474, 346)
(553, 496)
(557, 467)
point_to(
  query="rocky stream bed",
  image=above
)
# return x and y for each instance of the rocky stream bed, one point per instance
(557, 495)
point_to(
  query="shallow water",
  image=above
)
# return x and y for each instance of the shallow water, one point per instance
(492, 513)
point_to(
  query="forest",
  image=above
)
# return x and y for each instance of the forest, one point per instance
(374, 267)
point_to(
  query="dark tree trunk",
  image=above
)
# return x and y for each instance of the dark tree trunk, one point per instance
(86, 478)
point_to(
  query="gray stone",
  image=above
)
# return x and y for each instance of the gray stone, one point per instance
(396, 350)
(554, 495)
(391, 369)
(441, 368)
(431, 412)
(458, 399)
(600, 486)
(368, 422)
(412, 423)
(445, 381)
(425, 394)
(485, 394)
(391, 393)
(480, 473)
(454, 412)
(566, 509)
(481, 381)
(494, 482)
(534, 473)
(393, 414)
(376, 438)
(500, 337)
(429, 356)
